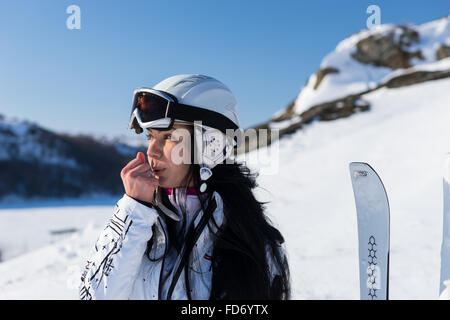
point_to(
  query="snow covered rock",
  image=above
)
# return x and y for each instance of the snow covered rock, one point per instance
(388, 55)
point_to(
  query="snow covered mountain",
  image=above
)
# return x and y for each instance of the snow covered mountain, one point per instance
(387, 56)
(36, 162)
(403, 131)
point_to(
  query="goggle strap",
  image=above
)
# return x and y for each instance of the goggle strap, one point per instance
(209, 118)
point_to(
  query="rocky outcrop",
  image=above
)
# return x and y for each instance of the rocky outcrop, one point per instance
(388, 50)
(344, 107)
(415, 77)
(322, 73)
(443, 52)
(340, 108)
(287, 113)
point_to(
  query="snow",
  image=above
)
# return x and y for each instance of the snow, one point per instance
(51, 272)
(432, 35)
(285, 123)
(27, 226)
(44, 245)
(440, 65)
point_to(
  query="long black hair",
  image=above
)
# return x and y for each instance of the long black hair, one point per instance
(247, 249)
(247, 260)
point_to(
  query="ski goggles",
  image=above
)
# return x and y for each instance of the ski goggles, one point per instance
(157, 109)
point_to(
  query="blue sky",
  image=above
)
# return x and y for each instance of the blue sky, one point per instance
(81, 81)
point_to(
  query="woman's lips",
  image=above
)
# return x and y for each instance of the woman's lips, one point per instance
(158, 171)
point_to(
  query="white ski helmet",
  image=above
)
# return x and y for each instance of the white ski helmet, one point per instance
(203, 92)
(191, 98)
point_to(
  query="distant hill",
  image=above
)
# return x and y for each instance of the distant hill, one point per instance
(36, 162)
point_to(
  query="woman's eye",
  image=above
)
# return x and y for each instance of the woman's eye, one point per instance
(166, 137)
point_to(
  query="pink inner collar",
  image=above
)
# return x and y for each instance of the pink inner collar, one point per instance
(189, 191)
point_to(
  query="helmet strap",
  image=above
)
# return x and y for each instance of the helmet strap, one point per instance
(205, 174)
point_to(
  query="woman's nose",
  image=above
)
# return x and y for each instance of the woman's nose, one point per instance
(154, 149)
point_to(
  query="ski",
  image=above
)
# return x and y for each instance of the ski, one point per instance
(445, 247)
(372, 209)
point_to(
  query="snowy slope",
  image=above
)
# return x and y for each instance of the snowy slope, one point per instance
(405, 138)
(28, 226)
(51, 272)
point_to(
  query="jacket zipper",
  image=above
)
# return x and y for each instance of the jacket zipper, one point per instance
(162, 264)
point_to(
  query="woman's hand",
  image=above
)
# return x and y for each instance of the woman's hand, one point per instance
(138, 180)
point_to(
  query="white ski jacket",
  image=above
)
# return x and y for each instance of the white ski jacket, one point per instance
(119, 268)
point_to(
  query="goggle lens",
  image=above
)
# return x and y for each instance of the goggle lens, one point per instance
(151, 107)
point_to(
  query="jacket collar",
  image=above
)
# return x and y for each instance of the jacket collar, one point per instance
(205, 236)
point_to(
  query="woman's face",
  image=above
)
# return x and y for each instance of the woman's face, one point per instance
(169, 155)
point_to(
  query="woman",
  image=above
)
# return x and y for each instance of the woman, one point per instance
(188, 225)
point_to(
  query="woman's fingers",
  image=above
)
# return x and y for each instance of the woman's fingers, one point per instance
(140, 159)
(139, 169)
(137, 179)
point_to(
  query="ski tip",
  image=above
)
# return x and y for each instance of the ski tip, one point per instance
(358, 169)
(358, 164)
